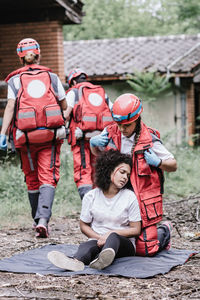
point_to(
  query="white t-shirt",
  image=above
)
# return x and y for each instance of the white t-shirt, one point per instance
(105, 214)
(158, 147)
(70, 98)
(14, 86)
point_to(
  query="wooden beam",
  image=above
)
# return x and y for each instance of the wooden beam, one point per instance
(125, 77)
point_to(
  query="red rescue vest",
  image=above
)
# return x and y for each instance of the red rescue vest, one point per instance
(26, 68)
(91, 111)
(37, 112)
(147, 181)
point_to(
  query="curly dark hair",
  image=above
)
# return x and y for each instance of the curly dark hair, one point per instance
(106, 162)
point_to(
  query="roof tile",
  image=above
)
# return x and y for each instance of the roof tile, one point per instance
(107, 57)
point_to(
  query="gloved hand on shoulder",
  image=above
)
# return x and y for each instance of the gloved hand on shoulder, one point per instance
(3, 143)
(78, 133)
(151, 158)
(100, 140)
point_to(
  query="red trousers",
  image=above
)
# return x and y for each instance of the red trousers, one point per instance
(45, 166)
(84, 162)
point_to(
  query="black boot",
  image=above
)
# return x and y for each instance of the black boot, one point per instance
(33, 199)
(83, 190)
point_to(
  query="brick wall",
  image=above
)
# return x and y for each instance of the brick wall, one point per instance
(48, 34)
(3, 93)
(191, 112)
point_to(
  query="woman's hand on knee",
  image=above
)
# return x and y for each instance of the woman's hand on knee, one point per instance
(101, 241)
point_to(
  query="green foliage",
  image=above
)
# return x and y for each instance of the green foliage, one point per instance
(189, 13)
(67, 200)
(14, 204)
(149, 85)
(13, 194)
(124, 18)
(185, 181)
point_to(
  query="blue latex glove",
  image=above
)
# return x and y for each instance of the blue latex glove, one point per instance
(151, 158)
(3, 143)
(100, 140)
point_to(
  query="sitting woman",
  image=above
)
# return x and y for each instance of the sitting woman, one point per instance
(110, 217)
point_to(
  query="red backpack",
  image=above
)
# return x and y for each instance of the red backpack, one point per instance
(37, 115)
(91, 111)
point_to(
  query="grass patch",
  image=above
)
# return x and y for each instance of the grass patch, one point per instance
(13, 195)
(14, 203)
(185, 181)
(67, 200)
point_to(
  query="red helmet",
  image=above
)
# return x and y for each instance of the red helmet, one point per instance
(126, 109)
(27, 45)
(75, 73)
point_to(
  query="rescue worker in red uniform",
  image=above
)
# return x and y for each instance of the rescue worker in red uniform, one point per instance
(88, 112)
(40, 160)
(150, 158)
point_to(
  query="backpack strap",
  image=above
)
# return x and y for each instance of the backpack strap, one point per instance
(154, 134)
(10, 137)
(29, 152)
(83, 162)
(53, 156)
(78, 94)
(162, 180)
(107, 99)
(54, 82)
(155, 138)
(145, 240)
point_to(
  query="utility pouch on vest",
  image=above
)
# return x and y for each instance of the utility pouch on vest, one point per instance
(105, 119)
(26, 118)
(147, 243)
(143, 169)
(86, 120)
(89, 122)
(53, 115)
(37, 136)
(151, 208)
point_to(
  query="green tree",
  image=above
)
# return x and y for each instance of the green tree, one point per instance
(189, 13)
(124, 18)
(149, 85)
(115, 19)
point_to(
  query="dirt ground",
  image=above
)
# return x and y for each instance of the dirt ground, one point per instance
(180, 283)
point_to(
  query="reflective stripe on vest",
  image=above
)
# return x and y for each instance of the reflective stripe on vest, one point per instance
(26, 115)
(107, 119)
(89, 118)
(51, 113)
